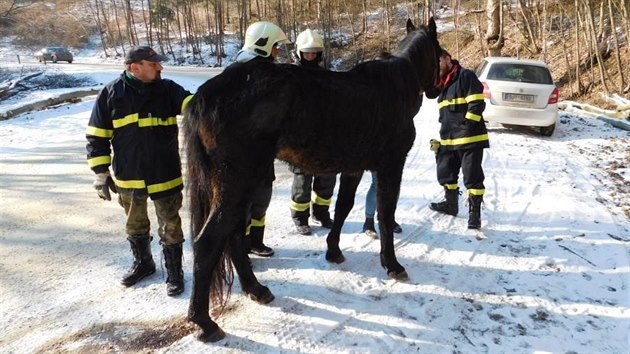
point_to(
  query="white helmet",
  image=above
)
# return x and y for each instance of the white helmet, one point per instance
(260, 38)
(309, 42)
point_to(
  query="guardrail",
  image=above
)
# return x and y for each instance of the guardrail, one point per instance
(17, 58)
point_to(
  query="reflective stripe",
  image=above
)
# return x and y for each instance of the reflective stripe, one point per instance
(299, 206)
(121, 122)
(454, 101)
(476, 191)
(164, 186)
(475, 97)
(153, 188)
(130, 184)
(473, 116)
(466, 140)
(257, 222)
(155, 122)
(451, 102)
(100, 160)
(315, 199)
(143, 122)
(451, 186)
(254, 223)
(185, 102)
(101, 133)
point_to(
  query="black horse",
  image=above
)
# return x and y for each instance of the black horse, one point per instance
(324, 122)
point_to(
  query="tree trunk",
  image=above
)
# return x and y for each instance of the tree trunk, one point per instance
(494, 34)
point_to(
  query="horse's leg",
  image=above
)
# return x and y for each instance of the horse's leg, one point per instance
(388, 188)
(246, 276)
(345, 201)
(208, 248)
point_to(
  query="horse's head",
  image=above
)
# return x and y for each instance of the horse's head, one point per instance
(422, 49)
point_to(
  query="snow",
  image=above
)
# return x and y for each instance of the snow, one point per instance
(550, 276)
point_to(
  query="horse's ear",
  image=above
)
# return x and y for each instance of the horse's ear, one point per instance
(410, 26)
(432, 26)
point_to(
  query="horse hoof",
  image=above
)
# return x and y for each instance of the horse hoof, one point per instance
(213, 336)
(338, 258)
(264, 298)
(402, 275)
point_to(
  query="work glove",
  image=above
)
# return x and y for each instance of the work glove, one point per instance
(103, 183)
(435, 145)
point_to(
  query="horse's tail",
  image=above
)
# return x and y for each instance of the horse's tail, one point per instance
(201, 189)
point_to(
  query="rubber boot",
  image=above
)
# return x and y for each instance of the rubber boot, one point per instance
(450, 204)
(256, 234)
(300, 219)
(175, 278)
(474, 211)
(369, 229)
(321, 215)
(143, 264)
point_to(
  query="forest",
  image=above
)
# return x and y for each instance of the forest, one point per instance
(583, 41)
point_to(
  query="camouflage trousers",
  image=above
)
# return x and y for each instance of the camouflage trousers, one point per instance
(166, 209)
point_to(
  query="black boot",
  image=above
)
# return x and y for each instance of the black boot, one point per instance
(397, 228)
(450, 204)
(256, 234)
(301, 226)
(474, 211)
(321, 215)
(143, 264)
(175, 278)
(368, 228)
(300, 219)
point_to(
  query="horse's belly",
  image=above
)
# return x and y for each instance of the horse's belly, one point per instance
(322, 161)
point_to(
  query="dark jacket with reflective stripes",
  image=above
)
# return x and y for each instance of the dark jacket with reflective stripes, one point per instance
(461, 106)
(138, 120)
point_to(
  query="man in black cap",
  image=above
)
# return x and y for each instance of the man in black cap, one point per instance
(135, 116)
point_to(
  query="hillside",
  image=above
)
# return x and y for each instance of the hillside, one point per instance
(544, 31)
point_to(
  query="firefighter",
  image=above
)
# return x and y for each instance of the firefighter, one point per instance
(135, 118)
(463, 136)
(310, 195)
(261, 44)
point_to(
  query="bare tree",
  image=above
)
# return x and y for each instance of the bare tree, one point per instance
(494, 31)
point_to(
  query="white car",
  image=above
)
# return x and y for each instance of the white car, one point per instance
(519, 92)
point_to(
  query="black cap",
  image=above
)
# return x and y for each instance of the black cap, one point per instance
(144, 52)
(444, 53)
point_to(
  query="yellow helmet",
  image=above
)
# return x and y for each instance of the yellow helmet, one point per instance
(309, 41)
(260, 38)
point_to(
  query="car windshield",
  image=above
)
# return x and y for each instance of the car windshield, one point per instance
(520, 73)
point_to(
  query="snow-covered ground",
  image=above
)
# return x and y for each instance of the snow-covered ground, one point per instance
(551, 276)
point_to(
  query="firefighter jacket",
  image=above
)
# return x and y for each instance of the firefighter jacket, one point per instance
(138, 122)
(461, 106)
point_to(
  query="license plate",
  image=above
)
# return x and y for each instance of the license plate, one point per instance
(517, 97)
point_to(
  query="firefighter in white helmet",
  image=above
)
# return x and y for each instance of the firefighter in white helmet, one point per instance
(310, 48)
(310, 193)
(261, 43)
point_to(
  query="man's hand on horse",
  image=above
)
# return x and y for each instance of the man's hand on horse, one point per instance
(103, 183)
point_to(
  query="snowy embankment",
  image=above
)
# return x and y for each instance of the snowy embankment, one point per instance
(551, 275)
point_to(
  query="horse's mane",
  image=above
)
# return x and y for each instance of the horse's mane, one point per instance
(414, 48)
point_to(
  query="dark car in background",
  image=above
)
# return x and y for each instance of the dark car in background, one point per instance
(54, 54)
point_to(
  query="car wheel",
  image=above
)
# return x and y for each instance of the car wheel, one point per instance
(54, 59)
(547, 131)
(69, 61)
